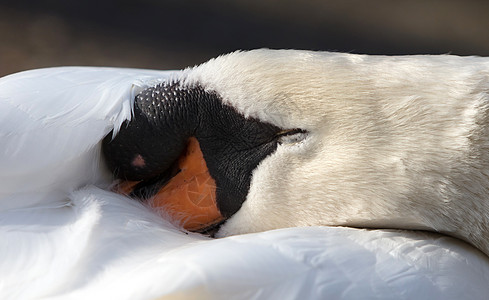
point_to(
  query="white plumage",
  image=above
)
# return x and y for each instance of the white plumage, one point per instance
(52, 121)
(64, 235)
(393, 141)
(108, 246)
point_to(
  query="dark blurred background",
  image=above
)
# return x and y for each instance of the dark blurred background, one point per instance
(173, 34)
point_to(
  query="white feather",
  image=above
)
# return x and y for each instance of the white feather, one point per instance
(51, 123)
(107, 246)
(394, 141)
(63, 236)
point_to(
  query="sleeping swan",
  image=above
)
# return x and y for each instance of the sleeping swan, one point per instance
(284, 138)
(253, 140)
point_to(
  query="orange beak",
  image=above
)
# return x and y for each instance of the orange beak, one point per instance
(190, 196)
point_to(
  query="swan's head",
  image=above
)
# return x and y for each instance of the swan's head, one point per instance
(265, 139)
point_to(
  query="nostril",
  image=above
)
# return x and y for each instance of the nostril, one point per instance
(138, 161)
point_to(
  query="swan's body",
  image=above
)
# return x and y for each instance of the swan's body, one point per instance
(64, 235)
(107, 246)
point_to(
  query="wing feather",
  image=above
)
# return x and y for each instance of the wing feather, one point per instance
(51, 123)
(108, 246)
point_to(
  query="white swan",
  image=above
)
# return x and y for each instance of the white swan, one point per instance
(64, 235)
(330, 139)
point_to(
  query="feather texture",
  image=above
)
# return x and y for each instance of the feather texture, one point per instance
(51, 123)
(63, 235)
(105, 245)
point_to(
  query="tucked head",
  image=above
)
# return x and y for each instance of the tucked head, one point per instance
(190, 153)
(265, 139)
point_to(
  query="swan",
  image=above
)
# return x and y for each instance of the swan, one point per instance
(66, 234)
(296, 138)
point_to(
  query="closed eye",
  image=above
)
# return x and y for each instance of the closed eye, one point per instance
(291, 136)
